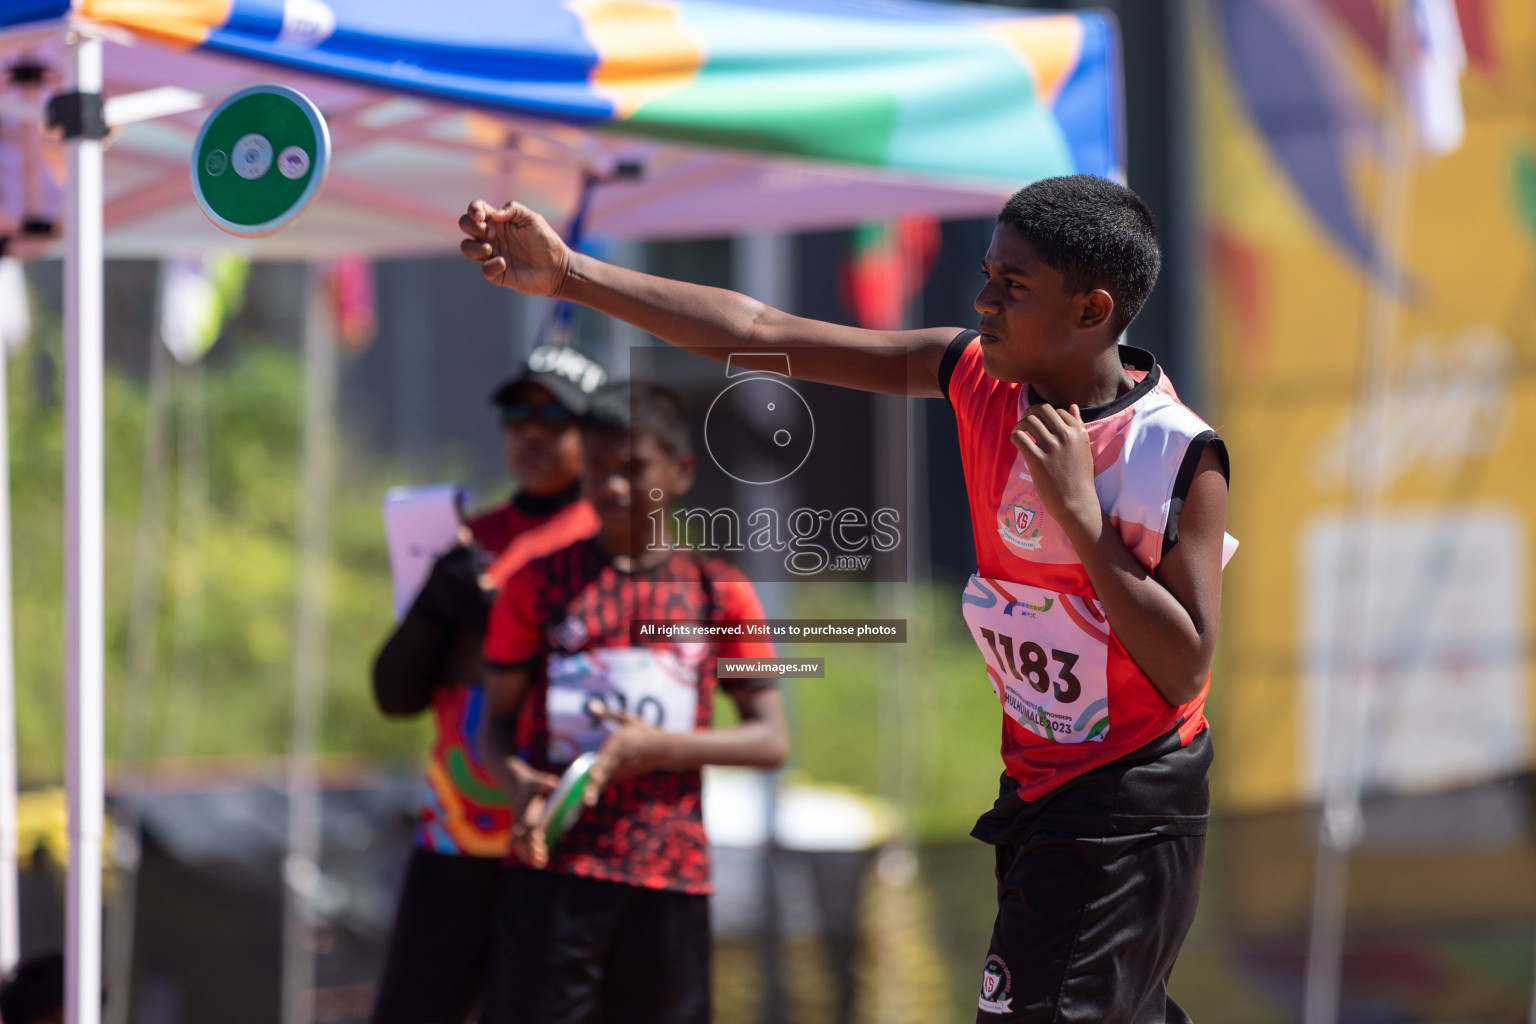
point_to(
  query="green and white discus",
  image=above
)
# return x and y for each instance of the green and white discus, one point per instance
(260, 158)
(563, 805)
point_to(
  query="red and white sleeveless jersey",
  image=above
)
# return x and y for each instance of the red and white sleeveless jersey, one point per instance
(1073, 697)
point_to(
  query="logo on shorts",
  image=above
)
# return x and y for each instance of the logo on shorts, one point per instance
(570, 634)
(996, 984)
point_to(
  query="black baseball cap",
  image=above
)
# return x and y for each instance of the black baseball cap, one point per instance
(565, 373)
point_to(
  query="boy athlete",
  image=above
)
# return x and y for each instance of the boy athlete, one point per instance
(1098, 505)
(434, 970)
(611, 923)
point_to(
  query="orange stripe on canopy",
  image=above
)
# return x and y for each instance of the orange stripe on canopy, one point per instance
(1048, 46)
(644, 50)
(180, 24)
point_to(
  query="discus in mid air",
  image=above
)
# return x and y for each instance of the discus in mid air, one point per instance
(260, 160)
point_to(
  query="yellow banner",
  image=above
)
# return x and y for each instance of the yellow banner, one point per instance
(1369, 300)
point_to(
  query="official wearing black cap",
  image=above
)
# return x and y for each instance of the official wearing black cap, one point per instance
(539, 409)
(435, 966)
(565, 373)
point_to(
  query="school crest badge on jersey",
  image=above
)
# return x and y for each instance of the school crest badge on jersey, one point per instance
(1022, 518)
(1019, 525)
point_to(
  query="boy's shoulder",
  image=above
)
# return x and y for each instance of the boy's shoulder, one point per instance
(1151, 420)
(714, 569)
(574, 561)
(1160, 414)
(718, 575)
(727, 590)
(492, 527)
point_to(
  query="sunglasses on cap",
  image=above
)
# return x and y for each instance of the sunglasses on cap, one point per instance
(551, 414)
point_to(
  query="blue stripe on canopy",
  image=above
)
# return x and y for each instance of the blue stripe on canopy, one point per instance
(16, 13)
(532, 56)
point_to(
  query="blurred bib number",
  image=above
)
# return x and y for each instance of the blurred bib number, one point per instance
(1047, 656)
(653, 685)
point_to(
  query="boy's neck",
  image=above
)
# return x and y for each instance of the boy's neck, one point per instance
(532, 504)
(631, 555)
(1098, 383)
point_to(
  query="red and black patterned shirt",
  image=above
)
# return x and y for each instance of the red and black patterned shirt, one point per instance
(646, 831)
(464, 812)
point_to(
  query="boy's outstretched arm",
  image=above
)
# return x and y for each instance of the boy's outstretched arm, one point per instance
(516, 248)
(1167, 619)
(760, 741)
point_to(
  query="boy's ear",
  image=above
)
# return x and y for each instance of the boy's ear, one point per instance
(1098, 305)
(685, 468)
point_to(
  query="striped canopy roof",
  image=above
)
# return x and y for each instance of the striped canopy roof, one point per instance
(740, 114)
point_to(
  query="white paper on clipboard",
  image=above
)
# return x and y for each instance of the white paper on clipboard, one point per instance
(420, 525)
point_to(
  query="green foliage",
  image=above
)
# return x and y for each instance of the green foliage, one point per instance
(223, 612)
(914, 722)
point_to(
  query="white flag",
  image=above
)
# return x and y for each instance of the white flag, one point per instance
(15, 308)
(195, 297)
(1439, 59)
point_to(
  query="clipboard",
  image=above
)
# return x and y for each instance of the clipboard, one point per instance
(421, 524)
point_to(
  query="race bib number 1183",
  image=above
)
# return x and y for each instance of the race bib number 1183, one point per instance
(1047, 657)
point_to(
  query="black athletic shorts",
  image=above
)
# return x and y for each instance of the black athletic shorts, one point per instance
(573, 950)
(1088, 928)
(1097, 885)
(434, 970)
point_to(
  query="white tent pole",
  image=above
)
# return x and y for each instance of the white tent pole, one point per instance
(301, 866)
(83, 545)
(764, 270)
(10, 925)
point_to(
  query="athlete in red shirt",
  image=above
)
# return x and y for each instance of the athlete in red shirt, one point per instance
(1098, 504)
(611, 924)
(434, 969)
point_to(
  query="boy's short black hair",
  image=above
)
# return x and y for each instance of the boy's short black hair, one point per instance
(635, 407)
(1093, 232)
(34, 991)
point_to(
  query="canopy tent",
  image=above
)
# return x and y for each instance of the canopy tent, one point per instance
(705, 117)
(734, 115)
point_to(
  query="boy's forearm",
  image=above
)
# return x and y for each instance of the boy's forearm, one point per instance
(691, 316)
(748, 745)
(1156, 630)
(496, 747)
(716, 322)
